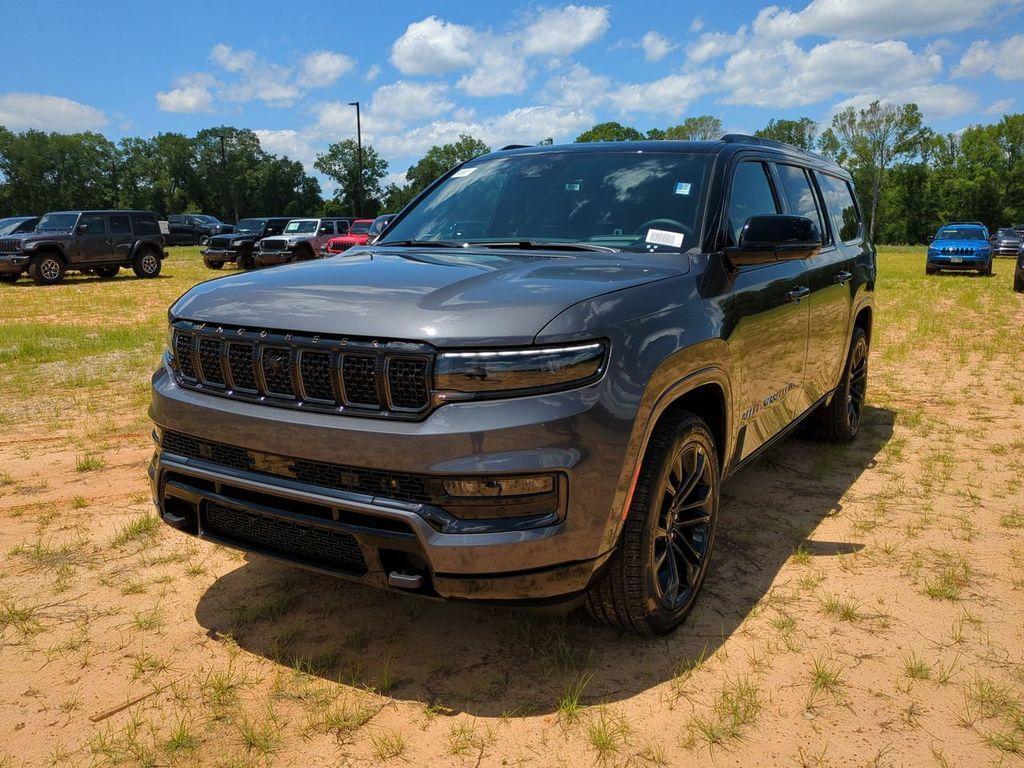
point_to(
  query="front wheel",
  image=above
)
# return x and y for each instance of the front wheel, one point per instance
(146, 264)
(245, 261)
(204, 239)
(838, 421)
(212, 264)
(1018, 283)
(47, 269)
(656, 572)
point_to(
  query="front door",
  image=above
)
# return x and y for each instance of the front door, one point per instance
(93, 241)
(769, 314)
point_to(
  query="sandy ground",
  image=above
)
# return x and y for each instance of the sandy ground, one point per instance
(864, 609)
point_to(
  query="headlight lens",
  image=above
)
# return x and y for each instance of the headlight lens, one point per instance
(504, 371)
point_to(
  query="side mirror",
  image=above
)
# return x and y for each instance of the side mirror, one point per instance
(775, 237)
(82, 229)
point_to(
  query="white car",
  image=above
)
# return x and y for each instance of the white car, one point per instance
(301, 240)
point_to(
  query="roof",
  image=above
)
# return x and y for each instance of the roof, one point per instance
(730, 143)
(103, 211)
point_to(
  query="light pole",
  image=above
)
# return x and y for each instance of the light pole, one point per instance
(229, 203)
(359, 145)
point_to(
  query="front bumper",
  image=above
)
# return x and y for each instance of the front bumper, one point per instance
(13, 263)
(1010, 249)
(272, 258)
(563, 433)
(220, 254)
(965, 263)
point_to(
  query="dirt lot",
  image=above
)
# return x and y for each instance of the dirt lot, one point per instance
(864, 606)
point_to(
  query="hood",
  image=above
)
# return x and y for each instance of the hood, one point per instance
(225, 240)
(49, 234)
(980, 243)
(447, 298)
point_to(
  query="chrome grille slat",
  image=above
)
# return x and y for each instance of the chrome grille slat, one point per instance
(338, 375)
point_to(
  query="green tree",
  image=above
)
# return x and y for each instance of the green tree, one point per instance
(799, 133)
(341, 163)
(610, 131)
(700, 128)
(871, 140)
(440, 159)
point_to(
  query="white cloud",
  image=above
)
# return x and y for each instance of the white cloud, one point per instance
(656, 46)
(697, 24)
(322, 68)
(562, 31)
(296, 145)
(185, 99)
(20, 111)
(711, 45)
(404, 102)
(866, 19)
(936, 101)
(1004, 59)
(233, 61)
(372, 73)
(577, 87)
(1000, 107)
(670, 95)
(432, 47)
(501, 71)
(786, 75)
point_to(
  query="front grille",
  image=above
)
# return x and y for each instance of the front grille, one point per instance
(316, 372)
(273, 245)
(339, 477)
(407, 381)
(276, 365)
(240, 364)
(358, 373)
(959, 251)
(184, 343)
(316, 545)
(210, 354)
(10, 246)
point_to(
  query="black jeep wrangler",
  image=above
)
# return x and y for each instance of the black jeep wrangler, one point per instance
(91, 242)
(240, 244)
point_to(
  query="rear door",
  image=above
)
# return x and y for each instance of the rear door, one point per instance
(121, 237)
(831, 275)
(769, 324)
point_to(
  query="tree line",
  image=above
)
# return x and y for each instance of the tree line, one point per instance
(910, 178)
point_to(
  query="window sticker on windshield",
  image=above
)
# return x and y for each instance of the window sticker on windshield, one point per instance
(664, 237)
(683, 188)
(572, 187)
(462, 172)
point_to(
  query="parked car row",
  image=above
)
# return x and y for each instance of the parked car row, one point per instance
(269, 241)
(195, 228)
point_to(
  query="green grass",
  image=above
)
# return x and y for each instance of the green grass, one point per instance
(142, 528)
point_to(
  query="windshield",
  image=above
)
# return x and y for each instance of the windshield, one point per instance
(960, 233)
(300, 227)
(360, 227)
(7, 226)
(204, 218)
(1009, 233)
(378, 224)
(57, 221)
(250, 225)
(631, 201)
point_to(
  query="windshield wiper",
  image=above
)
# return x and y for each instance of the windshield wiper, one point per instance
(544, 245)
(426, 243)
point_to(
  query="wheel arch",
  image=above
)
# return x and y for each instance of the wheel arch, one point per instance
(864, 319)
(51, 249)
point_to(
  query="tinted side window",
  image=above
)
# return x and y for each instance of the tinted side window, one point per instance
(751, 195)
(145, 225)
(175, 219)
(95, 224)
(326, 227)
(275, 227)
(119, 225)
(842, 208)
(801, 199)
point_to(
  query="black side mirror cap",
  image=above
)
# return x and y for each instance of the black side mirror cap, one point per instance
(776, 237)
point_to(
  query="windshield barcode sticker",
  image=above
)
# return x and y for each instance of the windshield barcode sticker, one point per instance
(664, 237)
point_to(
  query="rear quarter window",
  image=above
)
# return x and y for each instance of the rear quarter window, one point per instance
(842, 207)
(145, 225)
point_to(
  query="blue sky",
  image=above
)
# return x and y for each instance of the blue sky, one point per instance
(505, 72)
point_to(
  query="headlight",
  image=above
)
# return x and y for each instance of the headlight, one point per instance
(498, 372)
(238, 242)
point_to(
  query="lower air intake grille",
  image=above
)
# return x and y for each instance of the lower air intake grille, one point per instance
(325, 547)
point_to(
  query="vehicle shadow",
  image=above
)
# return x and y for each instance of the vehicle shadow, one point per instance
(79, 279)
(496, 661)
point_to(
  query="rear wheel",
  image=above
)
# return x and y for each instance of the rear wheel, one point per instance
(110, 271)
(146, 263)
(47, 269)
(839, 420)
(656, 572)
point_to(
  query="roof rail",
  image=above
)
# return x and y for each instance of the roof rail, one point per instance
(514, 146)
(742, 138)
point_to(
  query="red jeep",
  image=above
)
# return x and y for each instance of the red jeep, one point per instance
(358, 234)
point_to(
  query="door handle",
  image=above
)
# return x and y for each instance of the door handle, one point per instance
(798, 293)
(843, 277)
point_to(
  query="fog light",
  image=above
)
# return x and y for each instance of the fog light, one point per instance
(499, 486)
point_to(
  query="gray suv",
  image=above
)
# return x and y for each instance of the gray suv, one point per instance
(532, 388)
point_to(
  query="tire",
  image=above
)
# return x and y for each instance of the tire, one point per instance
(635, 592)
(929, 270)
(839, 420)
(108, 272)
(988, 269)
(204, 239)
(212, 264)
(47, 269)
(146, 263)
(1018, 283)
(305, 254)
(245, 261)
(9, 277)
